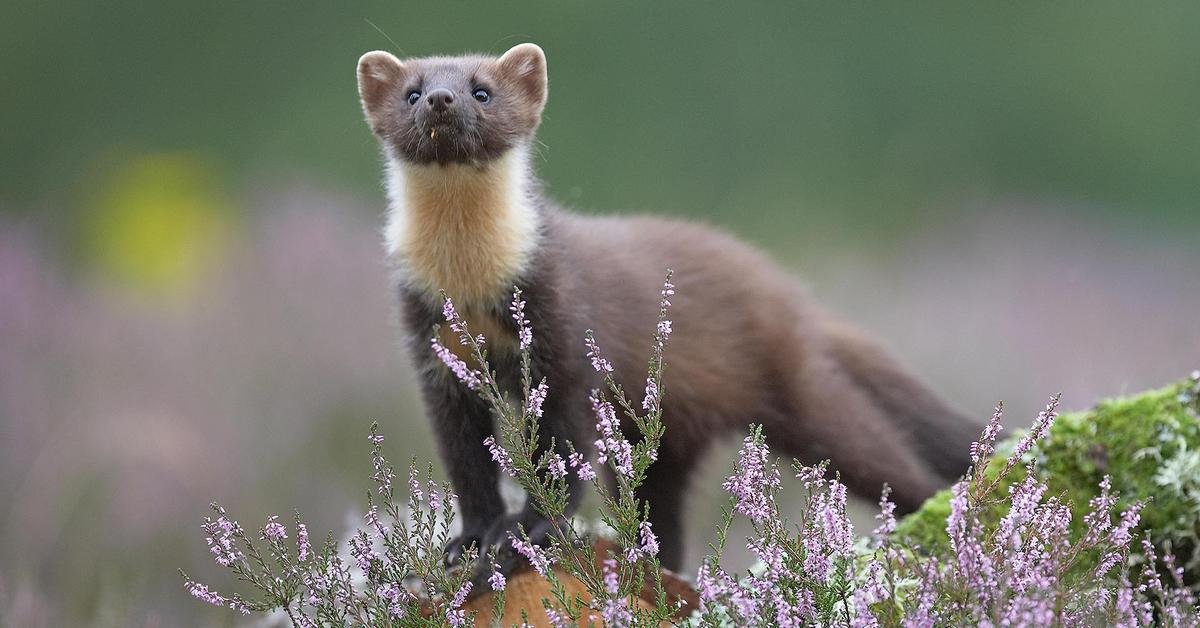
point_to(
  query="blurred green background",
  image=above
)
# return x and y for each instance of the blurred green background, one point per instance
(193, 302)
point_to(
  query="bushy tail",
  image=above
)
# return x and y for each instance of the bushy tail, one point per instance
(942, 435)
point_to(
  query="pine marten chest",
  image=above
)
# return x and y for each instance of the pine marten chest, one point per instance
(467, 230)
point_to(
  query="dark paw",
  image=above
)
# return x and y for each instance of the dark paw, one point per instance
(496, 541)
(537, 527)
(457, 547)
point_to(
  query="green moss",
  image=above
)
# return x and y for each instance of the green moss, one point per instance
(1149, 444)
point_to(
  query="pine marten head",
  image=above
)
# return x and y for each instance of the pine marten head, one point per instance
(445, 110)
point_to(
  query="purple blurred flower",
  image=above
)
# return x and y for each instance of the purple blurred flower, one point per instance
(583, 466)
(497, 580)
(203, 593)
(274, 531)
(524, 331)
(601, 365)
(454, 613)
(500, 455)
(464, 373)
(303, 549)
(649, 545)
(363, 552)
(612, 443)
(614, 609)
(535, 555)
(557, 467)
(753, 481)
(221, 538)
(537, 397)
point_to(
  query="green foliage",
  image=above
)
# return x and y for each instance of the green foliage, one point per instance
(887, 112)
(1148, 443)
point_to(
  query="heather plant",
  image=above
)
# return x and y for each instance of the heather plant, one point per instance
(1016, 552)
(612, 581)
(397, 575)
(1148, 443)
(1027, 568)
(392, 573)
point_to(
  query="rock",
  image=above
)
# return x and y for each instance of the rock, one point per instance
(1148, 443)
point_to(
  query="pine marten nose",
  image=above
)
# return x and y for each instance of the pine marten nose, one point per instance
(439, 99)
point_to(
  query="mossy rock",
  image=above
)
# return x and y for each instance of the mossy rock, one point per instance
(1148, 443)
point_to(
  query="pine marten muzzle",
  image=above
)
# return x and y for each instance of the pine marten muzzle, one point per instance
(467, 216)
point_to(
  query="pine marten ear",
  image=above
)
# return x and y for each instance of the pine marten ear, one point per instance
(380, 76)
(524, 66)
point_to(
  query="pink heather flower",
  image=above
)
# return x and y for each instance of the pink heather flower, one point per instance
(612, 443)
(537, 397)
(1098, 521)
(1041, 427)
(435, 497)
(500, 456)
(813, 478)
(886, 516)
(414, 485)
(557, 467)
(1122, 534)
(448, 311)
(615, 609)
(668, 290)
(303, 549)
(274, 531)
(204, 594)
(395, 596)
(363, 552)
(651, 399)
(973, 562)
(461, 596)
(1025, 499)
(586, 473)
(770, 554)
(316, 583)
(924, 614)
(601, 365)
(464, 373)
(456, 323)
(373, 522)
(534, 554)
(869, 593)
(829, 534)
(497, 580)
(982, 449)
(455, 616)
(753, 480)
(557, 619)
(1119, 539)
(383, 474)
(220, 539)
(711, 587)
(524, 331)
(583, 467)
(649, 545)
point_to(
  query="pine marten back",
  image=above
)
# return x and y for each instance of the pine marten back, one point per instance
(467, 215)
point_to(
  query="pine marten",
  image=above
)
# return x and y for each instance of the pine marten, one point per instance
(467, 215)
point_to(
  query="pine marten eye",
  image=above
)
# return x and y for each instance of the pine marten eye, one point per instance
(413, 97)
(482, 95)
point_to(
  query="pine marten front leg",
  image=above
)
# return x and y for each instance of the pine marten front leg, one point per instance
(462, 421)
